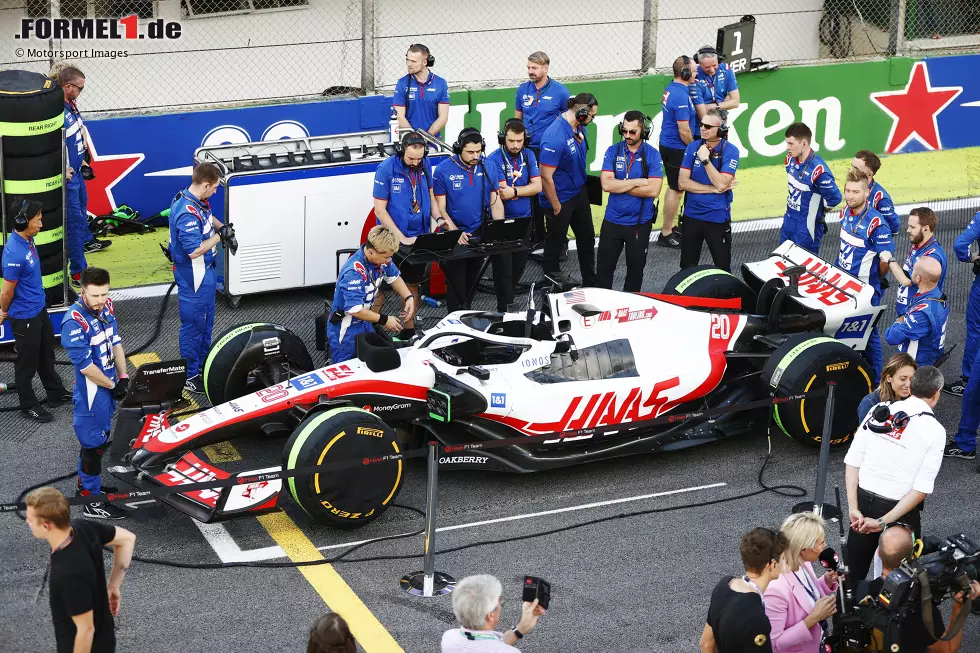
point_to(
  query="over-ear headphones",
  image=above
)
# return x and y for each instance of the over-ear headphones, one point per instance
(882, 421)
(411, 138)
(21, 220)
(686, 73)
(645, 129)
(583, 113)
(430, 61)
(703, 51)
(502, 134)
(468, 131)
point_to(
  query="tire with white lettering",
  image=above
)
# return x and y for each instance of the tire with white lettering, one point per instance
(223, 381)
(710, 282)
(346, 498)
(805, 364)
(32, 111)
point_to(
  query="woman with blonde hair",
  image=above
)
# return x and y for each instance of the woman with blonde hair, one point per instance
(896, 384)
(798, 603)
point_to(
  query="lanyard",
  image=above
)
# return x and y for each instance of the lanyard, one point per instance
(757, 589)
(537, 93)
(859, 217)
(47, 571)
(511, 166)
(467, 170)
(801, 171)
(474, 636)
(630, 159)
(413, 180)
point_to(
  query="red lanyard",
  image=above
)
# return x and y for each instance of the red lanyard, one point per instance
(630, 158)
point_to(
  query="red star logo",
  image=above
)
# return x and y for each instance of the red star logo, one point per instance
(914, 110)
(109, 170)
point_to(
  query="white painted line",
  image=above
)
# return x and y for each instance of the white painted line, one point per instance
(141, 292)
(228, 550)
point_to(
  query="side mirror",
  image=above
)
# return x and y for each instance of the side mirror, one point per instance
(793, 274)
(586, 310)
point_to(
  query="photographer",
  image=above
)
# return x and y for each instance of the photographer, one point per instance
(737, 618)
(894, 548)
(891, 467)
(478, 606)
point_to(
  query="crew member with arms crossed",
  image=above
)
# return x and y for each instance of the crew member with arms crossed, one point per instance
(352, 310)
(514, 170)
(90, 335)
(632, 174)
(708, 176)
(678, 130)
(921, 331)
(864, 236)
(404, 203)
(812, 191)
(421, 98)
(921, 231)
(466, 195)
(564, 150)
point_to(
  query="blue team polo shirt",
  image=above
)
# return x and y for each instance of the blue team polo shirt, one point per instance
(467, 191)
(518, 170)
(623, 208)
(566, 151)
(540, 106)
(710, 207)
(422, 100)
(398, 185)
(677, 107)
(713, 89)
(22, 265)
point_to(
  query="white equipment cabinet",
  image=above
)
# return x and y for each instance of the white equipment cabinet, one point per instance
(296, 205)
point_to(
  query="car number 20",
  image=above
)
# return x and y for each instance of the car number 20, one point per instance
(721, 327)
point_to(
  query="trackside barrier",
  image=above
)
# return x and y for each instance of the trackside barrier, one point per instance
(817, 505)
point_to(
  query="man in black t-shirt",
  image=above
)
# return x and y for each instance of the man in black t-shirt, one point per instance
(894, 547)
(82, 602)
(737, 621)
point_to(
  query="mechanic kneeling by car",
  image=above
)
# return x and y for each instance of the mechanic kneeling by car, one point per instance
(357, 285)
(478, 606)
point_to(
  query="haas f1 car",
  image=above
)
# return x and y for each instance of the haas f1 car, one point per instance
(581, 375)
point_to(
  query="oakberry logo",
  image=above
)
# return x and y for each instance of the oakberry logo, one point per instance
(112, 29)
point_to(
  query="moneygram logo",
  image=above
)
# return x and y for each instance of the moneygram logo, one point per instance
(112, 29)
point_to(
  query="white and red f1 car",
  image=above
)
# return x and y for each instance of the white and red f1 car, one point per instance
(581, 378)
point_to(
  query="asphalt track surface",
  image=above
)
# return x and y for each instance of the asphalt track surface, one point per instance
(633, 584)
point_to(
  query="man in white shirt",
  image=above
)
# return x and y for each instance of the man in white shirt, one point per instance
(891, 467)
(477, 606)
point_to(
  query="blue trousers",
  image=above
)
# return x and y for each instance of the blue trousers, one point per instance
(92, 427)
(966, 433)
(196, 325)
(795, 229)
(342, 349)
(972, 328)
(76, 224)
(874, 355)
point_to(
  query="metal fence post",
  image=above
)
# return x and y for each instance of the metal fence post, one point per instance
(367, 46)
(651, 13)
(429, 582)
(817, 505)
(896, 27)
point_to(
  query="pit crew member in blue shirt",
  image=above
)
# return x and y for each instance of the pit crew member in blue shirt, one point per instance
(962, 248)
(678, 130)
(921, 231)
(869, 164)
(23, 308)
(513, 169)
(404, 203)
(467, 197)
(194, 237)
(90, 335)
(357, 285)
(539, 101)
(921, 331)
(421, 98)
(564, 152)
(864, 236)
(812, 191)
(708, 176)
(632, 174)
(716, 87)
(77, 233)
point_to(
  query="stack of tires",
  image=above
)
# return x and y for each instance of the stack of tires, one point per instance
(31, 120)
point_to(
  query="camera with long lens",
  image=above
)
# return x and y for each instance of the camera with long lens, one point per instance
(945, 566)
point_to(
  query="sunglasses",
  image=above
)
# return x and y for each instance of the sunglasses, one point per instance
(80, 88)
(631, 132)
(705, 125)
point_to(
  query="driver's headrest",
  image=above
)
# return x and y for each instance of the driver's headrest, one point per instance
(376, 352)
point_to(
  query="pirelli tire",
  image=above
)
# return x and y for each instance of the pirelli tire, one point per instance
(710, 282)
(806, 363)
(31, 113)
(34, 168)
(346, 498)
(227, 347)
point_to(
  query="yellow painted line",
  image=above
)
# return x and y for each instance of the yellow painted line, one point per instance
(329, 584)
(222, 452)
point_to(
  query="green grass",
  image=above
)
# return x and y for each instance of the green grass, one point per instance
(135, 260)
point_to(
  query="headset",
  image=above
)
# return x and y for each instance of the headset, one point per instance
(502, 134)
(21, 220)
(703, 51)
(686, 73)
(430, 61)
(583, 114)
(882, 421)
(411, 138)
(468, 131)
(645, 129)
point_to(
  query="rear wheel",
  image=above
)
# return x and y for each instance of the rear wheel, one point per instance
(240, 360)
(807, 362)
(348, 498)
(710, 282)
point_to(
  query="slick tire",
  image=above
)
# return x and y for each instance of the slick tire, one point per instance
(807, 362)
(32, 111)
(710, 282)
(349, 498)
(219, 366)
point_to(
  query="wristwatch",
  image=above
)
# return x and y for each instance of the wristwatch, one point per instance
(882, 524)
(519, 634)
